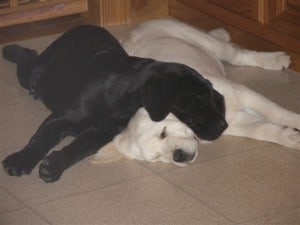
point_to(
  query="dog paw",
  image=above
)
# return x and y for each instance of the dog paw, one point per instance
(18, 164)
(292, 137)
(220, 33)
(50, 169)
(274, 60)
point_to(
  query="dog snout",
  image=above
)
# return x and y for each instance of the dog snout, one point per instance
(223, 125)
(180, 156)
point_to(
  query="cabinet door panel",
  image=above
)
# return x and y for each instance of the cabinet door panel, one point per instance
(244, 8)
(275, 21)
(287, 17)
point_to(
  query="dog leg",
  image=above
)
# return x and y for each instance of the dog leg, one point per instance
(87, 143)
(224, 50)
(229, 52)
(271, 111)
(47, 136)
(249, 125)
(266, 60)
(220, 33)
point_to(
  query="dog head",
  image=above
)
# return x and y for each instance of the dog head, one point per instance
(191, 98)
(168, 140)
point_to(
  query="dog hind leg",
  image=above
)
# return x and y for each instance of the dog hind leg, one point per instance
(225, 51)
(220, 33)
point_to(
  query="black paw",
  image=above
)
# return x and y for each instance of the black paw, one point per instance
(50, 169)
(18, 164)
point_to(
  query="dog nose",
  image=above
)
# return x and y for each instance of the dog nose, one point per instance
(181, 156)
(223, 125)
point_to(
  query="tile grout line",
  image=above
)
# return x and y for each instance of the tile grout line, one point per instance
(207, 161)
(31, 207)
(12, 196)
(269, 215)
(91, 190)
(27, 206)
(193, 197)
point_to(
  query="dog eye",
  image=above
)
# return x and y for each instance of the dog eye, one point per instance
(163, 134)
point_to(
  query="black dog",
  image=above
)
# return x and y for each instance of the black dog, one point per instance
(93, 88)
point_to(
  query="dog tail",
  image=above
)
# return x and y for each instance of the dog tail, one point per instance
(17, 54)
(24, 58)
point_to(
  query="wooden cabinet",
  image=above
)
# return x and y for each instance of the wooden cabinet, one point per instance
(264, 25)
(273, 24)
(23, 19)
(285, 17)
(113, 12)
(14, 12)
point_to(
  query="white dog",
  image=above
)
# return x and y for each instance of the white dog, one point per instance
(248, 113)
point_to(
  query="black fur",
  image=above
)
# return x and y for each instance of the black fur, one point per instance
(92, 87)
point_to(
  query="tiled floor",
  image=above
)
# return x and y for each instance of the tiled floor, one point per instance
(235, 180)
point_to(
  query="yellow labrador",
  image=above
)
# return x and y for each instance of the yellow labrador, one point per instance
(248, 113)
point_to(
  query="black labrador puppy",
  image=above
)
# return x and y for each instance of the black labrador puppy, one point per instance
(93, 88)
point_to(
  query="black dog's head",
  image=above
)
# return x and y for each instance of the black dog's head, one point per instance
(184, 92)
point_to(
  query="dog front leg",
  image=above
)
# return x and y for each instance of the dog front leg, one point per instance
(87, 143)
(249, 125)
(51, 131)
(272, 112)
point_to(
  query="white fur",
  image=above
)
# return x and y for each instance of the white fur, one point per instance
(142, 138)
(248, 113)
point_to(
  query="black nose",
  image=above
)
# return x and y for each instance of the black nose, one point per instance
(181, 156)
(223, 125)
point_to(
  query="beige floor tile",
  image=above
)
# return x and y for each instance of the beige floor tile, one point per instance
(286, 95)
(244, 186)
(23, 216)
(8, 93)
(7, 202)
(80, 178)
(294, 74)
(7, 70)
(145, 201)
(286, 218)
(19, 119)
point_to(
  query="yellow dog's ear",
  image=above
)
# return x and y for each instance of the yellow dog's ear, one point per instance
(107, 154)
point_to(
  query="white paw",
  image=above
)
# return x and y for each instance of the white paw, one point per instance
(275, 60)
(220, 33)
(291, 137)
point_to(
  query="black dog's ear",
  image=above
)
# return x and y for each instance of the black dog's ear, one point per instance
(158, 95)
